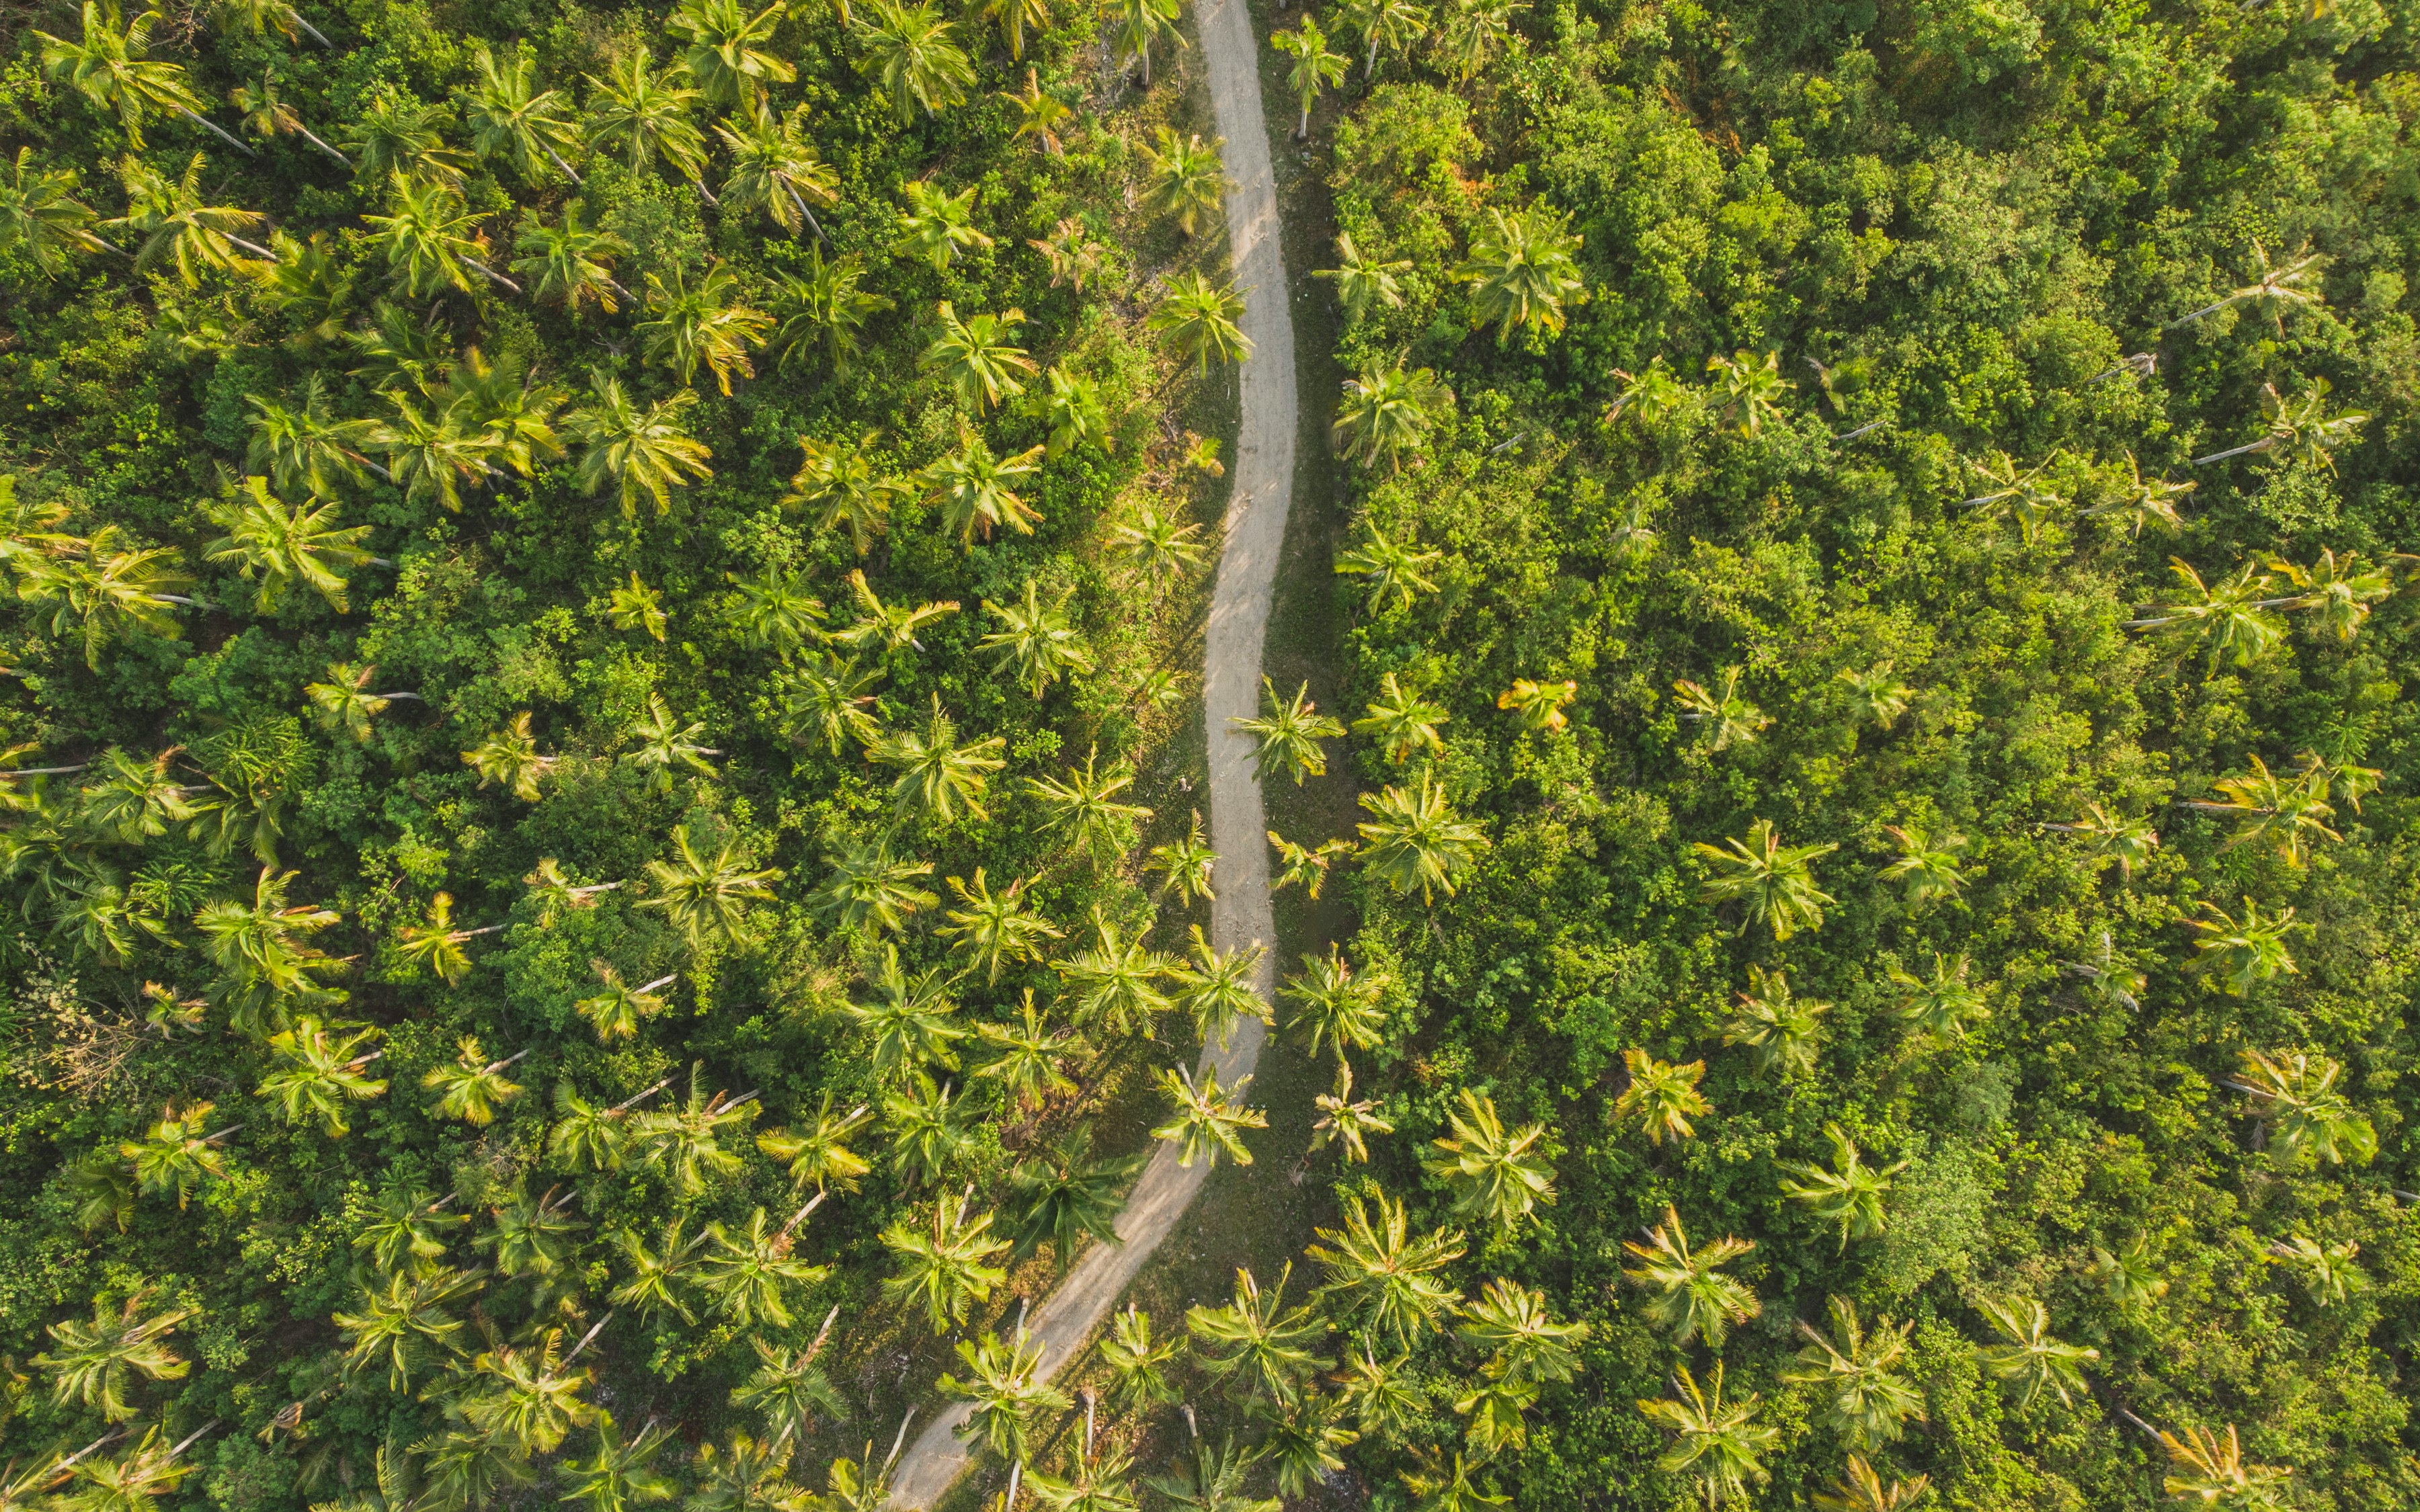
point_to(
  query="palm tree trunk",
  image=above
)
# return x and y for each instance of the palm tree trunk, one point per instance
(705, 194)
(552, 157)
(812, 223)
(215, 130)
(664, 980)
(253, 247)
(1371, 66)
(1302, 133)
(491, 274)
(631, 1102)
(309, 136)
(298, 20)
(2261, 445)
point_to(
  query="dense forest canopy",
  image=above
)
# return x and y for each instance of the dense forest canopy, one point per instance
(1878, 549)
(601, 823)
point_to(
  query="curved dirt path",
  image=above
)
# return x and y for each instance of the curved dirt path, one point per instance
(1260, 485)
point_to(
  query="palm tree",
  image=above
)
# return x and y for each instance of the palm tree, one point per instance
(909, 1021)
(1848, 1194)
(1749, 393)
(1331, 1003)
(772, 610)
(1256, 1342)
(304, 445)
(1691, 1295)
(686, 1142)
(1393, 23)
(1003, 1381)
(1289, 734)
(706, 323)
(1413, 839)
(401, 1320)
(970, 486)
(2031, 1357)
(1781, 1027)
(2301, 429)
(938, 776)
(283, 544)
(399, 134)
(430, 237)
(1663, 1097)
(871, 887)
(978, 358)
(789, 1390)
(1394, 571)
(838, 480)
(2205, 1468)
(1064, 1194)
(653, 1271)
(1136, 1362)
(1316, 69)
(1497, 1176)
(774, 165)
(1304, 866)
(747, 1475)
(996, 928)
(1522, 271)
(1874, 694)
(1342, 1118)
(133, 801)
(531, 1236)
(1385, 1279)
(1538, 705)
(40, 214)
(619, 1476)
(664, 743)
(729, 50)
(470, 1086)
(268, 116)
(1041, 117)
(1025, 1054)
(569, 263)
(1186, 178)
(935, 227)
(1134, 26)
(1038, 641)
(2249, 950)
(909, 50)
(102, 590)
(1184, 863)
(827, 308)
(2145, 503)
(1715, 1441)
(2112, 837)
(928, 1134)
(1937, 1008)
(407, 1222)
(1218, 990)
(640, 114)
(618, 1009)
(92, 1364)
(1207, 1124)
(1860, 1489)
(745, 1270)
(1387, 412)
(704, 895)
(509, 758)
(108, 67)
(316, 1075)
(511, 119)
(260, 950)
(944, 1263)
(1402, 723)
(643, 451)
(1385, 1401)
(1861, 1393)
(2301, 1110)
(1730, 717)
(1160, 545)
(585, 1137)
(173, 221)
(1084, 807)
(1776, 883)
(889, 626)
(1526, 1344)
(2275, 289)
(1926, 868)
(820, 1152)
(2286, 814)
(2231, 620)
(1473, 33)
(1201, 317)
